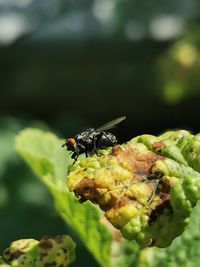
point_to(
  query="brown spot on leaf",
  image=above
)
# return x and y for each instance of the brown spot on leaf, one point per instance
(59, 239)
(13, 254)
(87, 190)
(123, 201)
(157, 146)
(157, 175)
(116, 199)
(163, 203)
(45, 244)
(167, 184)
(139, 163)
(65, 250)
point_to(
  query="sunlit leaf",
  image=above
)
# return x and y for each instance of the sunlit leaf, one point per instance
(43, 153)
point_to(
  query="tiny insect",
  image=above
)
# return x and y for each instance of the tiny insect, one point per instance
(91, 140)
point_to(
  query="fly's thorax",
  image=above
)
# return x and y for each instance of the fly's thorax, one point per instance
(84, 140)
(85, 135)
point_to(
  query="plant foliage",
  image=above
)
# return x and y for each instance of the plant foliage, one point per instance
(43, 153)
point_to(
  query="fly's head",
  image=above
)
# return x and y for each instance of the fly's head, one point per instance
(70, 144)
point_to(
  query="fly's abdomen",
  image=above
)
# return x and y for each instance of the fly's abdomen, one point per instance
(106, 140)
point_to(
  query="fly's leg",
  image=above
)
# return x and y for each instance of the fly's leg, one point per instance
(75, 159)
(95, 146)
(75, 156)
(63, 145)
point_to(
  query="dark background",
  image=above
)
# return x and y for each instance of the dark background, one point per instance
(69, 65)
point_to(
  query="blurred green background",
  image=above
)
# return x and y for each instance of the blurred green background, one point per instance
(69, 65)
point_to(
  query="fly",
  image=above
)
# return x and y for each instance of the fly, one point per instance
(91, 140)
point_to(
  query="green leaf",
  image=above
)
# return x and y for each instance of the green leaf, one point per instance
(43, 153)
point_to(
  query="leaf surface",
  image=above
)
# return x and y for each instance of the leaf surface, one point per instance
(44, 154)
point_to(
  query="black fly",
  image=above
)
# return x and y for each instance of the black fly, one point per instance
(90, 140)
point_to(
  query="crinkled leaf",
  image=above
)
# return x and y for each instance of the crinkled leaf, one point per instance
(43, 153)
(183, 252)
(147, 187)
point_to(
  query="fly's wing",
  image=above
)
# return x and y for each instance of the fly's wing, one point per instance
(110, 124)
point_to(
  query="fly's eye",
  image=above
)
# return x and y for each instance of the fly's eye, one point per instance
(71, 142)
